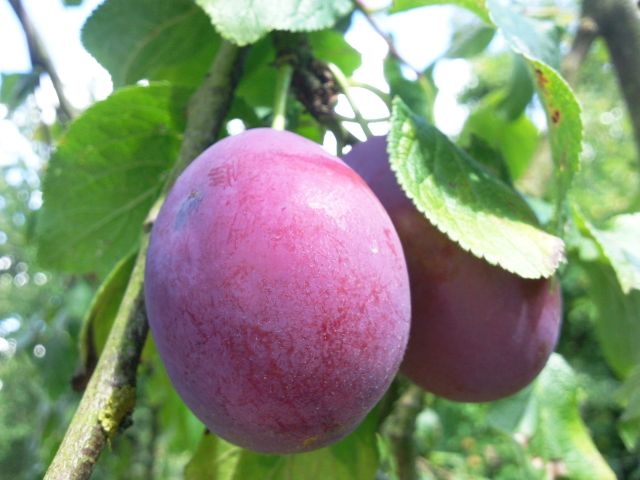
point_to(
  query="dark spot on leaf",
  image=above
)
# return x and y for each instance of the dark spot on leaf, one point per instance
(542, 79)
(555, 116)
(189, 205)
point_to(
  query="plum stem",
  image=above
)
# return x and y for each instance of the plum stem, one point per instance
(346, 89)
(384, 96)
(285, 72)
(110, 395)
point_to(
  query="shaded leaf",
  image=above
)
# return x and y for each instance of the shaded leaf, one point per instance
(470, 40)
(245, 21)
(16, 87)
(106, 173)
(214, 459)
(101, 314)
(332, 44)
(151, 39)
(620, 243)
(519, 92)
(516, 140)
(354, 457)
(547, 414)
(617, 318)
(629, 424)
(258, 83)
(419, 95)
(464, 201)
(525, 35)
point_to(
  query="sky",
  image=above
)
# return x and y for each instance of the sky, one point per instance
(85, 81)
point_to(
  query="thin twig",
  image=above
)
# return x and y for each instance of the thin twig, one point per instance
(393, 51)
(344, 118)
(40, 58)
(384, 96)
(109, 398)
(346, 89)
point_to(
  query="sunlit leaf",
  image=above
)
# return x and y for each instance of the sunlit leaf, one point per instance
(106, 173)
(246, 21)
(476, 6)
(474, 208)
(560, 104)
(151, 39)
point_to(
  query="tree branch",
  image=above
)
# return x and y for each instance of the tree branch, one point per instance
(582, 42)
(110, 396)
(618, 23)
(400, 426)
(40, 58)
(393, 51)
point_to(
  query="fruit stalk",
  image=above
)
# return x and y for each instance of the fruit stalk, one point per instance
(110, 395)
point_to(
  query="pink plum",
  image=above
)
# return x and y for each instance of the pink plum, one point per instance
(277, 292)
(478, 332)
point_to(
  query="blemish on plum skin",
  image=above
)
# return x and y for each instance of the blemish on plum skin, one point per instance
(555, 116)
(310, 441)
(188, 206)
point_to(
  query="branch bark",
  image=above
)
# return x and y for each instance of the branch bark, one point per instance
(109, 398)
(40, 58)
(618, 23)
(400, 426)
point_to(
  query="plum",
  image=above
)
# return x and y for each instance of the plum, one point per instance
(277, 292)
(478, 332)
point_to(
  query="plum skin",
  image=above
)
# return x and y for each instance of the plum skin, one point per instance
(277, 292)
(478, 333)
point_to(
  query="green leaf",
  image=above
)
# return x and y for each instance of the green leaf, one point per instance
(106, 173)
(617, 318)
(246, 21)
(470, 40)
(332, 44)
(464, 201)
(419, 95)
(560, 104)
(258, 83)
(151, 39)
(629, 395)
(525, 35)
(16, 87)
(519, 92)
(354, 457)
(214, 459)
(548, 415)
(516, 140)
(102, 312)
(620, 243)
(476, 6)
